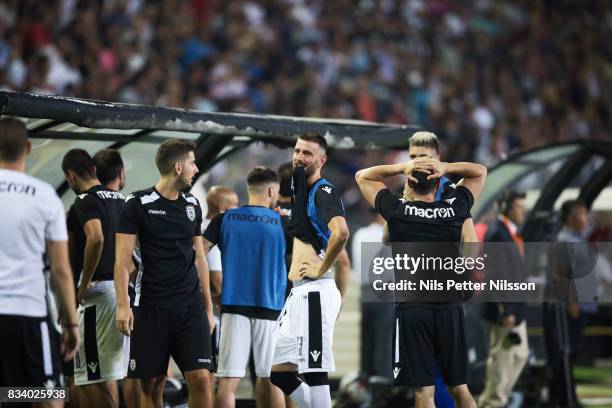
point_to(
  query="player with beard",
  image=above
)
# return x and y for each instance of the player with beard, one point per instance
(305, 330)
(172, 308)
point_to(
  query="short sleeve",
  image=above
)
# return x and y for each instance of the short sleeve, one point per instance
(128, 216)
(72, 220)
(55, 229)
(328, 203)
(386, 203)
(213, 231)
(214, 260)
(198, 229)
(87, 209)
(464, 200)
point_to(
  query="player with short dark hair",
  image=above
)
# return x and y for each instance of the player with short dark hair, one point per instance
(424, 329)
(102, 358)
(32, 219)
(320, 233)
(253, 292)
(172, 308)
(109, 167)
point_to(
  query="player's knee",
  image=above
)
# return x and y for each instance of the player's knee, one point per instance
(286, 381)
(199, 379)
(153, 385)
(314, 379)
(424, 392)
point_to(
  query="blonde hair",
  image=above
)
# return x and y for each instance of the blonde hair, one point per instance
(425, 139)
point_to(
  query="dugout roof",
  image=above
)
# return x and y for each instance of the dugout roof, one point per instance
(58, 123)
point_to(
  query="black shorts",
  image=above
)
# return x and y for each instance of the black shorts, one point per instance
(29, 353)
(424, 336)
(180, 332)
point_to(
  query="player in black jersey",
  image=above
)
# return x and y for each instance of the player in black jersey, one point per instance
(427, 331)
(102, 357)
(172, 308)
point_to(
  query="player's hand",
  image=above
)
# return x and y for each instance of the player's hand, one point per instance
(211, 321)
(125, 320)
(310, 270)
(82, 291)
(70, 342)
(434, 167)
(408, 169)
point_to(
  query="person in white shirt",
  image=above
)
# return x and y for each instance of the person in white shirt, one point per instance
(32, 215)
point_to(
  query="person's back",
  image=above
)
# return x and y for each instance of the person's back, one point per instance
(255, 233)
(31, 214)
(33, 220)
(426, 234)
(252, 245)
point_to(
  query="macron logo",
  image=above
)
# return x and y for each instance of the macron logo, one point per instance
(315, 355)
(327, 189)
(429, 212)
(157, 212)
(396, 371)
(450, 201)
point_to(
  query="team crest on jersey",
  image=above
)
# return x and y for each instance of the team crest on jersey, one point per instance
(132, 365)
(190, 212)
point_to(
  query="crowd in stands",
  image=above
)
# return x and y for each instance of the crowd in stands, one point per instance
(489, 77)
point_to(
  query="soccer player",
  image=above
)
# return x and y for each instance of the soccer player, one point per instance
(102, 358)
(252, 246)
(427, 331)
(32, 219)
(172, 308)
(306, 327)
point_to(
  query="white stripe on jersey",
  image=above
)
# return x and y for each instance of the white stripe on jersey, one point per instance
(151, 198)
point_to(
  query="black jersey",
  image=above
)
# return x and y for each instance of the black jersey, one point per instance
(167, 276)
(103, 204)
(77, 243)
(415, 225)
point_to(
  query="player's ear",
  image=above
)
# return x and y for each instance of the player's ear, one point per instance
(323, 160)
(178, 167)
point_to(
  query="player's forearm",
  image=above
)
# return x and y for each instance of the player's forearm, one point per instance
(62, 279)
(336, 244)
(342, 268)
(91, 258)
(204, 275)
(465, 169)
(122, 276)
(380, 173)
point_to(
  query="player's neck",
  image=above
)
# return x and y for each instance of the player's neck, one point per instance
(85, 185)
(19, 165)
(259, 201)
(428, 198)
(167, 187)
(282, 199)
(114, 185)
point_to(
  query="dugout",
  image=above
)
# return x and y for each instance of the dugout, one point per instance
(550, 175)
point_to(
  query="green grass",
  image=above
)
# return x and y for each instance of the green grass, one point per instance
(593, 375)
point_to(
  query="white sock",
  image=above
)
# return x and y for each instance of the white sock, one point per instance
(320, 396)
(301, 396)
